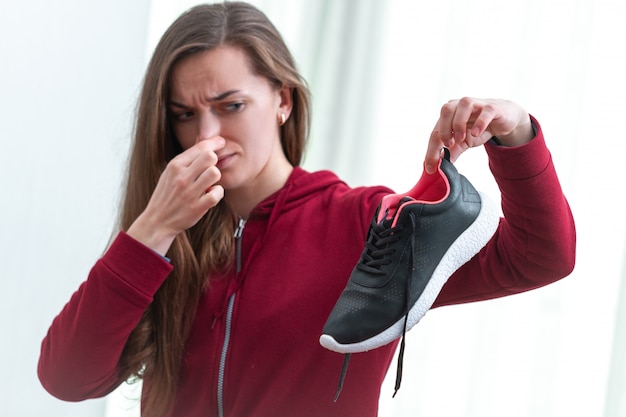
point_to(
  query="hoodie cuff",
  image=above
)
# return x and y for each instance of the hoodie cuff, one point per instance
(136, 264)
(519, 162)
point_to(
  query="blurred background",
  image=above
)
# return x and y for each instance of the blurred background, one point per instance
(70, 72)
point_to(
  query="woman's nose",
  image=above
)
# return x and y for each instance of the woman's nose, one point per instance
(208, 126)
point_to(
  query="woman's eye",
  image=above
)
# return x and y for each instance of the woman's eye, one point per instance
(233, 107)
(183, 116)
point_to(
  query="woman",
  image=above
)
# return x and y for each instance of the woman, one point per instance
(230, 256)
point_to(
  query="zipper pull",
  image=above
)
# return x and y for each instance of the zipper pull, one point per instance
(239, 229)
(238, 233)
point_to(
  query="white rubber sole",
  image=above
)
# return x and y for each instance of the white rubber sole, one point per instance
(464, 248)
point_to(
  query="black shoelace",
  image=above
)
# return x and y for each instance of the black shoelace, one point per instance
(407, 303)
(377, 254)
(377, 251)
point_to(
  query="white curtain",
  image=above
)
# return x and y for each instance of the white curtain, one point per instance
(69, 76)
(558, 350)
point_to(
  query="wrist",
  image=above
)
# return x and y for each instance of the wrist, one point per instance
(521, 135)
(150, 235)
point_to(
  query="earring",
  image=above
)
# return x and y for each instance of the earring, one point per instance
(283, 119)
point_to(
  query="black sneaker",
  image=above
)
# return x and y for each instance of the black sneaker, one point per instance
(416, 242)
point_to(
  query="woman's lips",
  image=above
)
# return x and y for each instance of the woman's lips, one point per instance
(224, 160)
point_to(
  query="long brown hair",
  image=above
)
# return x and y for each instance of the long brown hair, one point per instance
(155, 348)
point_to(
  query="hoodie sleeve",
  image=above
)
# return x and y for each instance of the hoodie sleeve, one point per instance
(80, 353)
(535, 243)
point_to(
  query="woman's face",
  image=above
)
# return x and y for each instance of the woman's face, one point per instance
(215, 93)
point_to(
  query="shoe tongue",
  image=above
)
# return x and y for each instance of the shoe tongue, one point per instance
(390, 205)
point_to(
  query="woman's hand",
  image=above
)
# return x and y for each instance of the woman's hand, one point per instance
(186, 190)
(470, 122)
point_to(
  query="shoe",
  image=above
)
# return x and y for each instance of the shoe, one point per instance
(416, 241)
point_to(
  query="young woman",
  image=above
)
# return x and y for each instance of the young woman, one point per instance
(230, 256)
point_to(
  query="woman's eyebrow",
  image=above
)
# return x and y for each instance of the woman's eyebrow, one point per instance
(224, 95)
(175, 104)
(219, 97)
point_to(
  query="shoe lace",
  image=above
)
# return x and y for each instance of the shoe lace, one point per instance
(377, 248)
(376, 255)
(407, 303)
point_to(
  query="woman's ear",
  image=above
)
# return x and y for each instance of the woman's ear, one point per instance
(286, 102)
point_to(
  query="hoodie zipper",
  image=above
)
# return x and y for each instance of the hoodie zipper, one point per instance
(229, 319)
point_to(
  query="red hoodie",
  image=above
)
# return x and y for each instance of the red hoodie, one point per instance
(253, 349)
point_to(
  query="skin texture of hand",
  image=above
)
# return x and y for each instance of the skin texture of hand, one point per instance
(470, 122)
(186, 190)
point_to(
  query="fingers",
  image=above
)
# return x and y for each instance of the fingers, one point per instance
(487, 113)
(465, 120)
(195, 168)
(206, 179)
(462, 124)
(209, 146)
(187, 188)
(212, 196)
(433, 152)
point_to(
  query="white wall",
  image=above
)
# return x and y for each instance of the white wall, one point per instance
(69, 73)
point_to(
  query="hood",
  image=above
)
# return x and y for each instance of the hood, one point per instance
(300, 186)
